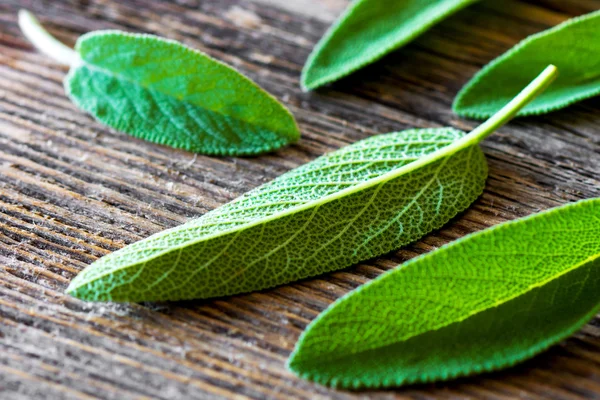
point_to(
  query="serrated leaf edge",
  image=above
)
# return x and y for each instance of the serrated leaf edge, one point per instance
(487, 367)
(348, 383)
(287, 139)
(481, 74)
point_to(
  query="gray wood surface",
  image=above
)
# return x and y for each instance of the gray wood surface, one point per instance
(72, 190)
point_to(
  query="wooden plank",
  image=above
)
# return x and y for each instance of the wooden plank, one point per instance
(72, 190)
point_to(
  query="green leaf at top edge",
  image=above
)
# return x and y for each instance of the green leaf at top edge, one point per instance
(368, 30)
(572, 46)
(481, 303)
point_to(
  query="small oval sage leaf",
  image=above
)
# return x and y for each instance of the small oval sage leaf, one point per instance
(481, 303)
(164, 92)
(571, 46)
(368, 30)
(350, 205)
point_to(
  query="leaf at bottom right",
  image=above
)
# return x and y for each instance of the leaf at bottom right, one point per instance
(484, 302)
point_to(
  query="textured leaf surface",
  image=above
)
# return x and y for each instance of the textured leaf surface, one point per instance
(353, 204)
(347, 206)
(483, 302)
(572, 46)
(368, 30)
(164, 92)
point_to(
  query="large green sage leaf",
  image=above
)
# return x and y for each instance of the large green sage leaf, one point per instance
(368, 30)
(572, 46)
(328, 214)
(167, 93)
(355, 203)
(484, 302)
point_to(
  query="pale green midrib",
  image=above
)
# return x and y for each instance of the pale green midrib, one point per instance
(474, 137)
(375, 55)
(238, 229)
(475, 312)
(146, 87)
(347, 226)
(241, 222)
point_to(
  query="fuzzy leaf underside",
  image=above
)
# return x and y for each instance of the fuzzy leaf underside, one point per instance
(368, 30)
(290, 229)
(166, 93)
(481, 303)
(572, 46)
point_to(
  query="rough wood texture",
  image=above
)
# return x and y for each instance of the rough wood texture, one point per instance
(72, 190)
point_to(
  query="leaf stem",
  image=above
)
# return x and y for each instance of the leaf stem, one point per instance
(537, 86)
(44, 42)
(531, 91)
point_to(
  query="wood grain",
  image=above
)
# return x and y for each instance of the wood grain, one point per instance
(72, 190)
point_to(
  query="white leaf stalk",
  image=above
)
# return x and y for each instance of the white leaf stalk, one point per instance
(44, 42)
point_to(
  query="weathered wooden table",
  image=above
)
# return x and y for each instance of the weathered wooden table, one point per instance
(72, 190)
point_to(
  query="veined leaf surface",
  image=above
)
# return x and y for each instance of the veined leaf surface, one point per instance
(484, 302)
(368, 30)
(164, 92)
(355, 203)
(284, 231)
(572, 46)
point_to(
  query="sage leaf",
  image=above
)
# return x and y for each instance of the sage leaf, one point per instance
(571, 46)
(481, 303)
(368, 30)
(350, 205)
(347, 206)
(164, 92)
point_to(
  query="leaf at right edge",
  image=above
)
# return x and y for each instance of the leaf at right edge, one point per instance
(572, 46)
(481, 303)
(368, 30)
